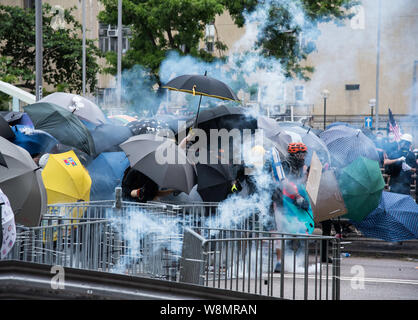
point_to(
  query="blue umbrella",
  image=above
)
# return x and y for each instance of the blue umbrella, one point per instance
(346, 144)
(106, 172)
(33, 141)
(108, 137)
(395, 219)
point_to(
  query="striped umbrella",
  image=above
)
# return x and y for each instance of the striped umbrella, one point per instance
(395, 219)
(346, 144)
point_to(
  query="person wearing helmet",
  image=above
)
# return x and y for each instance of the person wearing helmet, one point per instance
(291, 202)
(400, 165)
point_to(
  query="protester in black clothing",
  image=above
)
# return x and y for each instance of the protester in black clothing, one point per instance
(390, 145)
(400, 165)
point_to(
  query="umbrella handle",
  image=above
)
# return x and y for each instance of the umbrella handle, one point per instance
(198, 108)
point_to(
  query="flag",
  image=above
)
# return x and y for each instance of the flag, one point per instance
(393, 127)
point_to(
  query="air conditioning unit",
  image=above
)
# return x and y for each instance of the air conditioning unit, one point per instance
(112, 32)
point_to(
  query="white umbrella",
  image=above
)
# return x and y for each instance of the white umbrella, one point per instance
(8, 226)
(80, 106)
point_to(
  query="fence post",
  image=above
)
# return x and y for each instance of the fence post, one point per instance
(191, 262)
(118, 198)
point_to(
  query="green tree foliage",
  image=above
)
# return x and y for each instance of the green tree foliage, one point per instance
(160, 26)
(62, 53)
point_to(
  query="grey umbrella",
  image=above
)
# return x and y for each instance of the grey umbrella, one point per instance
(274, 132)
(22, 182)
(80, 106)
(308, 137)
(144, 153)
(346, 144)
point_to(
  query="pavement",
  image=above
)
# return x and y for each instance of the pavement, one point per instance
(366, 247)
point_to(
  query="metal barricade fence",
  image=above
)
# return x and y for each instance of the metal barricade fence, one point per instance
(93, 235)
(207, 214)
(104, 235)
(243, 260)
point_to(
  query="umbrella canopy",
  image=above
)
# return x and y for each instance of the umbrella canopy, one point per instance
(144, 150)
(274, 132)
(308, 137)
(15, 118)
(338, 123)
(106, 172)
(121, 119)
(144, 126)
(8, 232)
(66, 179)
(107, 137)
(202, 85)
(21, 181)
(80, 106)
(361, 184)
(61, 124)
(5, 130)
(34, 141)
(214, 181)
(346, 144)
(395, 219)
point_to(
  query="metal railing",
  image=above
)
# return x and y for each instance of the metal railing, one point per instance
(173, 242)
(243, 260)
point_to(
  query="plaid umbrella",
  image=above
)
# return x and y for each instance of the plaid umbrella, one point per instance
(346, 144)
(395, 219)
(361, 184)
(308, 137)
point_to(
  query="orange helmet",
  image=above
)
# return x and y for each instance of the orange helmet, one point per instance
(296, 147)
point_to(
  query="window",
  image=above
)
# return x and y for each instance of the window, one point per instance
(209, 46)
(358, 21)
(299, 93)
(108, 38)
(210, 37)
(29, 4)
(350, 87)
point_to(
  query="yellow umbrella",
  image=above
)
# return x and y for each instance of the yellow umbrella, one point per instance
(66, 179)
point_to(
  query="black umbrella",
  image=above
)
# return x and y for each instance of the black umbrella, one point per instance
(16, 117)
(61, 124)
(144, 152)
(214, 181)
(5, 130)
(203, 86)
(224, 117)
(108, 137)
(21, 181)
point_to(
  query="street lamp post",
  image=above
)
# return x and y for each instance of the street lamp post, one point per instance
(119, 59)
(372, 104)
(325, 95)
(84, 47)
(38, 49)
